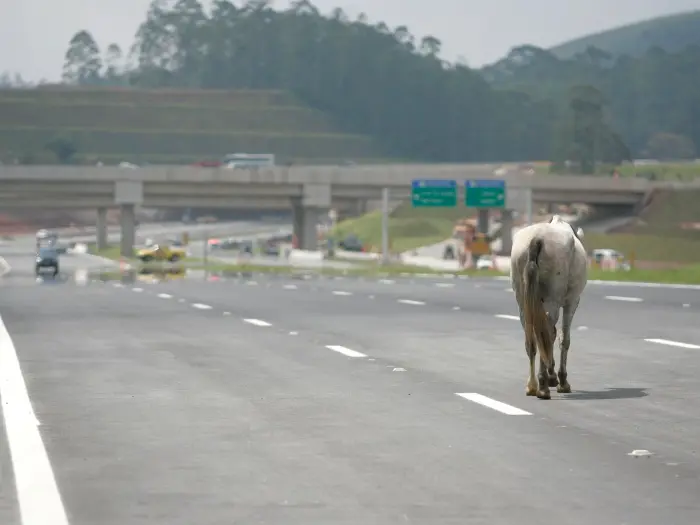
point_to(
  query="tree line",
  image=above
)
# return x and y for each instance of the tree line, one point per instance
(389, 84)
(651, 100)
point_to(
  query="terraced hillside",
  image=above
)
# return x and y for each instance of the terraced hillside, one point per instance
(172, 126)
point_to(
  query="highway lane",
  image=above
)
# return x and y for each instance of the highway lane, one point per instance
(469, 339)
(238, 398)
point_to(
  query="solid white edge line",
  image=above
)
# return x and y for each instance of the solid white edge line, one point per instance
(509, 317)
(345, 351)
(624, 298)
(201, 306)
(495, 405)
(411, 302)
(257, 322)
(668, 342)
(37, 492)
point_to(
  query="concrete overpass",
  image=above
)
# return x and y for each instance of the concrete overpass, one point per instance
(308, 190)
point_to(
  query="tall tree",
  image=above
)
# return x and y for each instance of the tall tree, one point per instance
(114, 64)
(82, 64)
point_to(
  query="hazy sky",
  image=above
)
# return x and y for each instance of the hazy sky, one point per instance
(34, 33)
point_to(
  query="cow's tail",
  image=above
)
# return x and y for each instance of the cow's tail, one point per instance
(536, 323)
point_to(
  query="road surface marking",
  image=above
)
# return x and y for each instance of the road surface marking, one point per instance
(445, 285)
(137, 290)
(340, 292)
(37, 492)
(345, 351)
(257, 322)
(668, 342)
(201, 306)
(5, 267)
(496, 405)
(623, 298)
(509, 317)
(411, 301)
(290, 286)
(165, 296)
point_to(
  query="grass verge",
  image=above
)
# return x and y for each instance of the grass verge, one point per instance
(684, 275)
(641, 247)
(409, 227)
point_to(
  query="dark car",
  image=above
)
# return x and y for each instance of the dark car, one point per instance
(47, 258)
(351, 244)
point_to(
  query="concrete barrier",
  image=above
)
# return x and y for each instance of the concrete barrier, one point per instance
(430, 262)
(305, 257)
(357, 256)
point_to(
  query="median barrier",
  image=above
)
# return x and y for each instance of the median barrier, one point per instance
(430, 262)
(305, 256)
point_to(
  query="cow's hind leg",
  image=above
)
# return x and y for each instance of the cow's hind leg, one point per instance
(567, 317)
(531, 349)
(553, 381)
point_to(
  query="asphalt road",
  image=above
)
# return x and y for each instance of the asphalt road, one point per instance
(313, 401)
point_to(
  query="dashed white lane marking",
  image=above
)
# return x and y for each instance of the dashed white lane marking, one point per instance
(118, 285)
(345, 351)
(411, 301)
(624, 298)
(509, 317)
(290, 286)
(257, 322)
(200, 306)
(37, 492)
(180, 300)
(137, 290)
(445, 285)
(165, 296)
(340, 292)
(5, 267)
(495, 405)
(668, 342)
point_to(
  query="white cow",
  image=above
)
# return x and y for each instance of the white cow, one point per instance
(548, 272)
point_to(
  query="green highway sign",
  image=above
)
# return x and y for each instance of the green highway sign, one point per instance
(488, 193)
(434, 193)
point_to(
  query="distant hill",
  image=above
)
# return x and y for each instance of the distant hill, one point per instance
(671, 33)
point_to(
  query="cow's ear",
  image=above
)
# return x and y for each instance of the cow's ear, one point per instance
(579, 232)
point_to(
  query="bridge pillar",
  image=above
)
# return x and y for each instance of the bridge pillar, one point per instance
(506, 232)
(482, 220)
(128, 227)
(308, 212)
(128, 194)
(101, 233)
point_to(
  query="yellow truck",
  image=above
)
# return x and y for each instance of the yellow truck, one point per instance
(160, 252)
